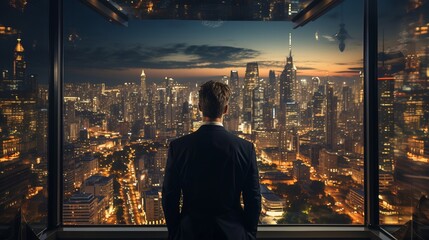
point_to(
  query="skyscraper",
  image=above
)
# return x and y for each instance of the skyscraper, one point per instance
(19, 64)
(331, 117)
(289, 109)
(347, 100)
(232, 119)
(386, 129)
(143, 85)
(272, 87)
(251, 79)
(258, 100)
(288, 81)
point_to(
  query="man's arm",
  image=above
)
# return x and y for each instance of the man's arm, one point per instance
(252, 195)
(171, 193)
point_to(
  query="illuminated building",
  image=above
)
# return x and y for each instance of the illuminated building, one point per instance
(184, 125)
(288, 81)
(266, 138)
(80, 208)
(89, 166)
(356, 200)
(289, 109)
(143, 86)
(153, 207)
(347, 99)
(258, 99)
(331, 117)
(418, 149)
(19, 64)
(272, 205)
(18, 101)
(386, 130)
(272, 88)
(251, 80)
(98, 185)
(318, 111)
(328, 164)
(232, 119)
(161, 158)
(269, 115)
(301, 172)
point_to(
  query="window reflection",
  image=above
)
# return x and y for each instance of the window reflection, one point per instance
(23, 116)
(403, 117)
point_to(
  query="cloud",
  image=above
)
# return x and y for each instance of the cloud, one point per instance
(306, 68)
(347, 72)
(356, 69)
(166, 57)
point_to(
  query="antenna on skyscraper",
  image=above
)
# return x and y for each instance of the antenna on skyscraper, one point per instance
(290, 43)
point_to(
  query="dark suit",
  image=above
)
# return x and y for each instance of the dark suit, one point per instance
(212, 168)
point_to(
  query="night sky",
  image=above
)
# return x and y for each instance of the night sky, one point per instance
(185, 50)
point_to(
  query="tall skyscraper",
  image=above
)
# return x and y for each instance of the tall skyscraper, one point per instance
(258, 100)
(143, 85)
(347, 99)
(318, 111)
(19, 64)
(288, 81)
(289, 109)
(234, 81)
(331, 117)
(272, 87)
(232, 119)
(251, 79)
(386, 130)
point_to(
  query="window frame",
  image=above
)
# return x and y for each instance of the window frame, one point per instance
(370, 229)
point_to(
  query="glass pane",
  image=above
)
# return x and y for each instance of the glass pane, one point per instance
(404, 117)
(24, 66)
(297, 95)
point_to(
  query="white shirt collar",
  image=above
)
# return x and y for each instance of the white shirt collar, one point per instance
(213, 123)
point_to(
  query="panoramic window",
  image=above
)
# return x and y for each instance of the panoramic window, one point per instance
(24, 67)
(403, 85)
(297, 95)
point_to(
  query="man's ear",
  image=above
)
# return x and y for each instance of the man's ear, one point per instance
(225, 110)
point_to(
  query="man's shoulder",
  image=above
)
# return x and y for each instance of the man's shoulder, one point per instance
(227, 136)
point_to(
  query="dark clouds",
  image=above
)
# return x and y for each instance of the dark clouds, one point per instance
(174, 56)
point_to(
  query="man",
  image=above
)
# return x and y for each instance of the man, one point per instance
(211, 168)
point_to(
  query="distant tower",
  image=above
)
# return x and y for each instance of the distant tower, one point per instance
(331, 117)
(347, 100)
(250, 81)
(289, 110)
(272, 87)
(143, 85)
(234, 82)
(232, 119)
(19, 64)
(288, 79)
(386, 86)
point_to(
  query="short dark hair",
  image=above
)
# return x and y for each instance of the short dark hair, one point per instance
(213, 97)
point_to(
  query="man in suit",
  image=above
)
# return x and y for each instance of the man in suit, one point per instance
(211, 169)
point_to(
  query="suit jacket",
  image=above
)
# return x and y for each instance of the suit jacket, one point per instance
(211, 168)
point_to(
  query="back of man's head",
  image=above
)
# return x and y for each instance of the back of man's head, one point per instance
(213, 98)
